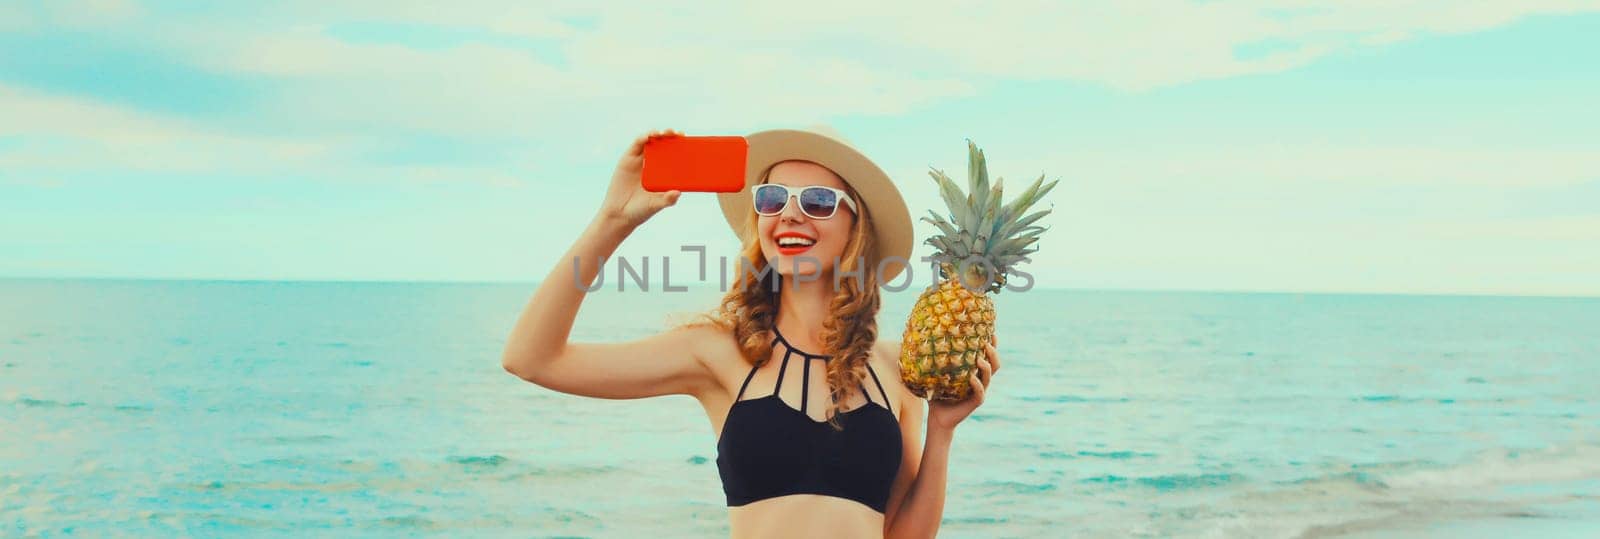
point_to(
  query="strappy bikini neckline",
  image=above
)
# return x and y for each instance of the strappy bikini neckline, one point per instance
(794, 348)
(805, 380)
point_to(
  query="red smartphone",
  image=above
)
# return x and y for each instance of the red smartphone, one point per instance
(706, 164)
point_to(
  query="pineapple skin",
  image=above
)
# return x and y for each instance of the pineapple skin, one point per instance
(944, 339)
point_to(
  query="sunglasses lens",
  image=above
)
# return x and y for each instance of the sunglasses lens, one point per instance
(770, 199)
(818, 203)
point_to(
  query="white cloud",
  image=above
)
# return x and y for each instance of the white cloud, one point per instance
(64, 133)
(479, 87)
(744, 66)
(28, 180)
(504, 17)
(13, 19)
(1561, 228)
(747, 65)
(1131, 45)
(1138, 45)
(68, 14)
(60, 136)
(1287, 165)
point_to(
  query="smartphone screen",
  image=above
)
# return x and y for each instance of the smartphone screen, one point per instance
(706, 164)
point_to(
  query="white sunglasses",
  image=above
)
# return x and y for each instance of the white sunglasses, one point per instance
(816, 201)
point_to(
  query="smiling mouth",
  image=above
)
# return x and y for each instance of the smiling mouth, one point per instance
(793, 245)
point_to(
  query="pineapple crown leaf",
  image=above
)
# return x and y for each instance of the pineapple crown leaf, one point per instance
(1029, 196)
(991, 214)
(951, 194)
(1014, 244)
(938, 221)
(977, 176)
(1015, 227)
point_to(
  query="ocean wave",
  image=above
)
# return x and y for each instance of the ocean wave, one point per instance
(1393, 496)
(408, 521)
(1169, 482)
(343, 482)
(1114, 455)
(324, 486)
(1110, 455)
(1486, 469)
(342, 475)
(1406, 493)
(1363, 480)
(982, 418)
(490, 461)
(243, 520)
(293, 439)
(562, 472)
(1478, 513)
(1071, 398)
(1508, 466)
(45, 404)
(1384, 397)
(1016, 487)
(28, 402)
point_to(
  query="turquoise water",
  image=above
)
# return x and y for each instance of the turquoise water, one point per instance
(170, 408)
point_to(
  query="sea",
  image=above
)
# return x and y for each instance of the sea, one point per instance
(171, 408)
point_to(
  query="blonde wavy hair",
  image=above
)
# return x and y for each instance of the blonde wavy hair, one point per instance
(749, 309)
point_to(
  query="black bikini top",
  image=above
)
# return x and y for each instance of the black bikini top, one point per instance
(768, 449)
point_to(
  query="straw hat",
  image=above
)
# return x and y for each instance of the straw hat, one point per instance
(891, 222)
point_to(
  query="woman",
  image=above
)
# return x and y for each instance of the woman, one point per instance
(818, 212)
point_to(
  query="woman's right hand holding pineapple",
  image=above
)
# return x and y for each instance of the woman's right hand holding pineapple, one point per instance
(947, 414)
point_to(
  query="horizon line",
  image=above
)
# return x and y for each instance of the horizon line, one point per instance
(694, 286)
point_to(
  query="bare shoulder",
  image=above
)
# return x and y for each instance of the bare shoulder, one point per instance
(886, 354)
(713, 345)
(716, 348)
(886, 361)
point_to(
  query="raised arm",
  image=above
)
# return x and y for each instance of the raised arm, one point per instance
(538, 349)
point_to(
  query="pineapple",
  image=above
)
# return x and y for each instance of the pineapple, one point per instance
(980, 241)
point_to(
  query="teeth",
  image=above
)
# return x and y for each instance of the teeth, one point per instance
(788, 241)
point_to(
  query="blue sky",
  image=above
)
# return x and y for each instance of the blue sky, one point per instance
(1422, 147)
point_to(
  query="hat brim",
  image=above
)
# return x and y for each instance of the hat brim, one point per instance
(891, 221)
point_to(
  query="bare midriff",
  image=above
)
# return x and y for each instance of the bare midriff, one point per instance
(805, 515)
